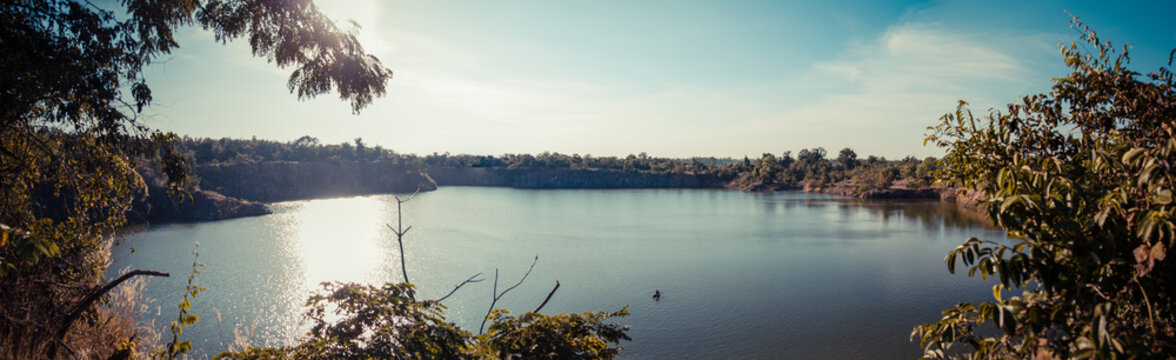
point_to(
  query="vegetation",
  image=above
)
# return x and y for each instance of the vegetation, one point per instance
(811, 168)
(356, 321)
(1081, 178)
(72, 87)
(387, 323)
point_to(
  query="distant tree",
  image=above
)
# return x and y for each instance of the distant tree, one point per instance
(907, 168)
(786, 160)
(1081, 178)
(306, 141)
(875, 160)
(811, 157)
(360, 149)
(926, 171)
(847, 159)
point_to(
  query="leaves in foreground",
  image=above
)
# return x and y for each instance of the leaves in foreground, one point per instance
(1081, 179)
(355, 321)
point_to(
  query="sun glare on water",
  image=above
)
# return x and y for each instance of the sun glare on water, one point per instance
(341, 240)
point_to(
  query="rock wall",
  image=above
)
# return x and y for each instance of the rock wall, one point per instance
(281, 181)
(570, 178)
(195, 205)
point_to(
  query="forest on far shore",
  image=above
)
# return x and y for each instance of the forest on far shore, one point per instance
(807, 169)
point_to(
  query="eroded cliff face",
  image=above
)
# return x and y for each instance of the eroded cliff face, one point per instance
(194, 205)
(570, 178)
(228, 191)
(282, 181)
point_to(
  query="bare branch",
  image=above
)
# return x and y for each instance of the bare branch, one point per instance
(521, 280)
(89, 300)
(548, 297)
(414, 194)
(467, 281)
(400, 231)
(498, 295)
(493, 292)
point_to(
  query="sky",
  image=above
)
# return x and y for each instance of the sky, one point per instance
(670, 78)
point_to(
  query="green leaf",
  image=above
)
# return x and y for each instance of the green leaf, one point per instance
(1132, 155)
(1102, 330)
(1163, 197)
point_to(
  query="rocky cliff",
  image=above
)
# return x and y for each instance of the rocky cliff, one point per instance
(570, 178)
(281, 181)
(194, 205)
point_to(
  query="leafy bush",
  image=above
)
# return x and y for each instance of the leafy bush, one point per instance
(388, 323)
(1081, 178)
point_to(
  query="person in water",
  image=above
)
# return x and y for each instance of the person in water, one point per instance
(657, 294)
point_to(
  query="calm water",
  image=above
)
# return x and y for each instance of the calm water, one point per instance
(785, 275)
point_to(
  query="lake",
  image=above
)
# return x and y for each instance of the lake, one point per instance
(744, 275)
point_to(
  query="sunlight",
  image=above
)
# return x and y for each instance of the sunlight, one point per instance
(363, 12)
(340, 240)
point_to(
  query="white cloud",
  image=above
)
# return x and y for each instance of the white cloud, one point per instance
(895, 86)
(876, 95)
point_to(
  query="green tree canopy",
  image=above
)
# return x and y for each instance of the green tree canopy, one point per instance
(1081, 178)
(71, 88)
(847, 159)
(352, 321)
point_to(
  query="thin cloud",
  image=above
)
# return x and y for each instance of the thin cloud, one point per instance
(903, 80)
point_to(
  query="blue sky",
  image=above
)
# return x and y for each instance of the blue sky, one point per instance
(671, 78)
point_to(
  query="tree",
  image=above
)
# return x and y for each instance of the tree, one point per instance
(1081, 179)
(360, 149)
(71, 89)
(368, 322)
(306, 141)
(847, 159)
(786, 160)
(389, 322)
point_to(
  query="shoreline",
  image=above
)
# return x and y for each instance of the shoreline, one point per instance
(245, 190)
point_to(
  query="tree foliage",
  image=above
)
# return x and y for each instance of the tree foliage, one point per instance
(354, 321)
(71, 89)
(1081, 178)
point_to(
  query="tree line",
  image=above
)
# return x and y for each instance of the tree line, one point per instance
(808, 168)
(1080, 177)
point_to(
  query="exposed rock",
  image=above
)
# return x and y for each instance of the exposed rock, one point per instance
(571, 178)
(281, 181)
(968, 198)
(899, 193)
(194, 205)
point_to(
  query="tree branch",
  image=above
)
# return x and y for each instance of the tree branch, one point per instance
(498, 295)
(414, 194)
(493, 292)
(467, 281)
(400, 231)
(523, 278)
(89, 300)
(548, 297)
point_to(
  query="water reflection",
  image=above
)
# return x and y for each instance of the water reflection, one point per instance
(744, 275)
(340, 239)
